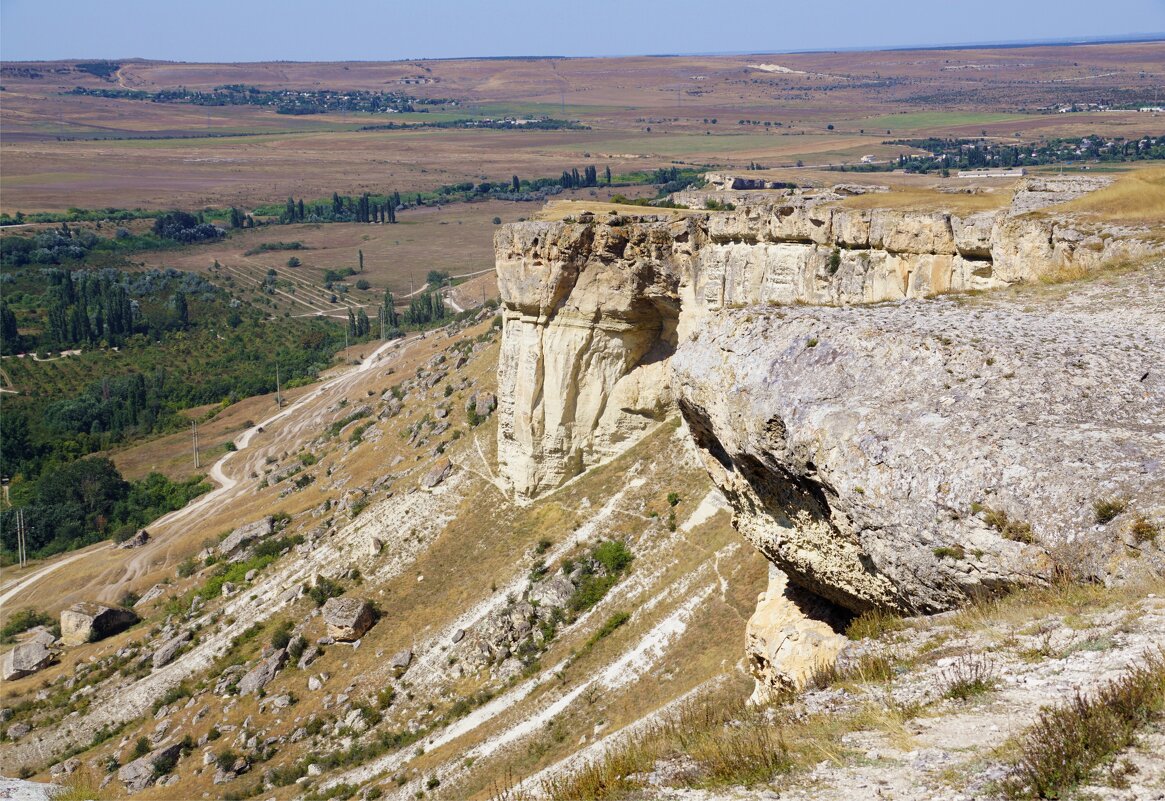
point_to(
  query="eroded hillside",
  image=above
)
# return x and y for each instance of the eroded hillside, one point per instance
(508, 635)
(506, 560)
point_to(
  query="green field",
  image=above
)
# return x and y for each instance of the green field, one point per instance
(710, 145)
(919, 120)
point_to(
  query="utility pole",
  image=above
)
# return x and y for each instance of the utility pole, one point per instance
(194, 432)
(21, 550)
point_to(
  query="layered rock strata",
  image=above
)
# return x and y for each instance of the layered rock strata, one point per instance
(904, 456)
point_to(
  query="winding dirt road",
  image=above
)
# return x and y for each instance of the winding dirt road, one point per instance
(284, 431)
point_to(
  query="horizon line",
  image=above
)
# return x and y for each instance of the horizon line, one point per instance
(1069, 41)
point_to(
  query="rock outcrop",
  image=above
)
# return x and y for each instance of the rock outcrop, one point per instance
(88, 622)
(25, 659)
(144, 771)
(592, 308)
(789, 636)
(261, 675)
(960, 471)
(236, 543)
(903, 456)
(348, 619)
(589, 313)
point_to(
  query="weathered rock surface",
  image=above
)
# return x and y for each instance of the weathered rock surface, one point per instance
(169, 649)
(88, 622)
(861, 481)
(592, 310)
(787, 638)
(347, 618)
(589, 314)
(153, 593)
(261, 675)
(438, 473)
(241, 537)
(137, 540)
(400, 662)
(905, 456)
(141, 773)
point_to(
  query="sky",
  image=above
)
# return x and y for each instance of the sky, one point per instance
(382, 30)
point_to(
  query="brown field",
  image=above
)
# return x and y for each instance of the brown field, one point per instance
(642, 113)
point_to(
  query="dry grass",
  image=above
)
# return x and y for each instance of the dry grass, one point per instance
(1064, 597)
(561, 209)
(915, 198)
(714, 740)
(1068, 742)
(1137, 196)
(82, 785)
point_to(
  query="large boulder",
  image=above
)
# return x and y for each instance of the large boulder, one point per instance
(400, 662)
(438, 473)
(89, 622)
(142, 772)
(169, 649)
(348, 618)
(25, 659)
(913, 456)
(137, 540)
(788, 638)
(236, 542)
(152, 594)
(262, 674)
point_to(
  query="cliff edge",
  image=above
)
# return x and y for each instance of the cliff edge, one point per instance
(884, 445)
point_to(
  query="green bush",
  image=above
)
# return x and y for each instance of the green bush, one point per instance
(22, 621)
(613, 622)
(324, 589)
(613, 555)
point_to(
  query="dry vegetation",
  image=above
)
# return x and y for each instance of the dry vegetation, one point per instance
(916, 198)
(630, 105)
(1137, 196)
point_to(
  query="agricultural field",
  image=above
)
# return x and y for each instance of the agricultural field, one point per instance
(65, 150)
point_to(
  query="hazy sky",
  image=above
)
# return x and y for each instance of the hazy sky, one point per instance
(369, 30)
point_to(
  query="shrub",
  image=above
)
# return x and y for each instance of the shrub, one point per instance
(281, 637)
(1016, 530)
(324, 589)
(22, 621)
(968, 677)
(1106, 509)
(613, 622)
(673, 499)
(613, 555)
(1067, 742)
(834, 262)
(140, 748)
(187, 567)
(225, 760)
(1143, 530)
(955, 551)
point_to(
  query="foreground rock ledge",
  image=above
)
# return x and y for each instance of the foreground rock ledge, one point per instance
(911, 456)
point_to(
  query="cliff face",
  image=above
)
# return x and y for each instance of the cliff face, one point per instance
(590, 316)
(905, 456)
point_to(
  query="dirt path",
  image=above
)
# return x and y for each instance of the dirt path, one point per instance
(284, 430)
(27, 581)
(303, 417)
